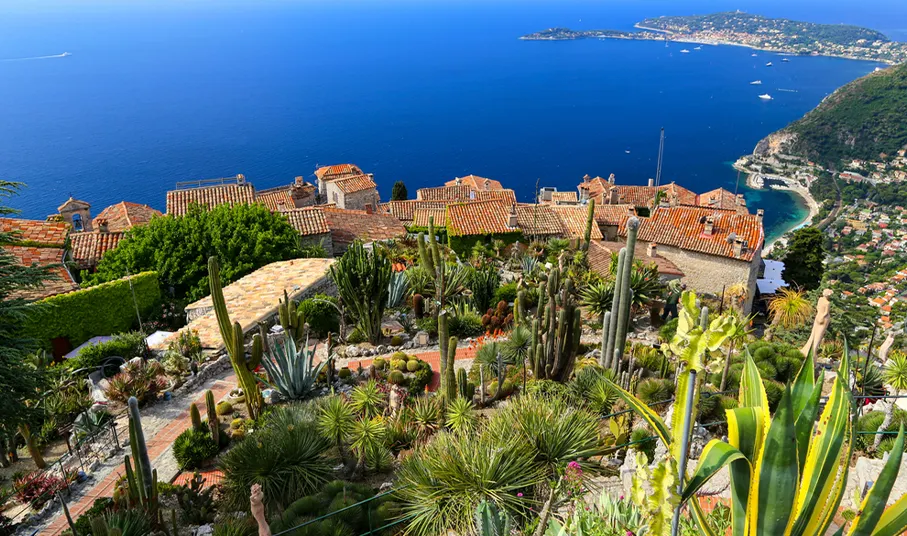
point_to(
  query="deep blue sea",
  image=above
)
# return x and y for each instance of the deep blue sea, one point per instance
(160, 92)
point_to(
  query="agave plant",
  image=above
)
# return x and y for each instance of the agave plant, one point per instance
(461, 417)
(490, 521)
(397, 288)
(291, 371)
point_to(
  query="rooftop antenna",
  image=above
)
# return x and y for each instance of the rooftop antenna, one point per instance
(737, 184)
(661, 150)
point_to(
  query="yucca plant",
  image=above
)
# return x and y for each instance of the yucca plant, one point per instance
(335, 422)
(426, 416)
(790, 309)
(895, 375)
(367, 437)
(367, 400)
(396, 289)
(291, 371)
(461, 417)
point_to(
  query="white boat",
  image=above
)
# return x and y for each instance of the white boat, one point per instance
(765, 97)
(63, 55)
(756, 83)
(785, 60)
(769, 64)
(697, 48)
(684, 51)
(754, 54)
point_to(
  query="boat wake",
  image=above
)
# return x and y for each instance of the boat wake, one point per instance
(788, 90)
(63, 55)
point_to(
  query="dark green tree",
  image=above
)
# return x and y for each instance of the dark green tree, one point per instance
(20, 381)
(803, 265)
(244, 237)
(399, 193)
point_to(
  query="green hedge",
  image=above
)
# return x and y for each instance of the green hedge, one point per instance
(125, 345)
(462, 245)
(100, 310)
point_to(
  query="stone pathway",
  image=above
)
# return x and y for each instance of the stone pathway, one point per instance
(162, 423)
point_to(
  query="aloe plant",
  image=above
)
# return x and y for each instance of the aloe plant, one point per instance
(291, 371)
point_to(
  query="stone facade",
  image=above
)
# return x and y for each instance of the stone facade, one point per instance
(712, 273)
(313, 240)
(353, 200)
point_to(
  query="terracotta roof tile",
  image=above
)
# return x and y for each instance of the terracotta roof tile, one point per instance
(474, 182)
(88, 248)
(178, 201)
(613, 214)
(348, 225)
(276, 200)
(539, 220)
(574, 219)
(444, 193)
(308, 221)
(47, 233)
(356, 183)
(479, 218)
(405, 210)
(600, 257)
(564, 197)
(327, 173)
(718, 198)
(684, 227)
(421, 216)
(125, 215)
(28, 256)
(506, 195)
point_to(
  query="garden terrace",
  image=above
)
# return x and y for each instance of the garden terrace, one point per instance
(255, 297)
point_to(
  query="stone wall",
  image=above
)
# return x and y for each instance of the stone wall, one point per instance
(712, 273)
(313, 240)
(351, 201)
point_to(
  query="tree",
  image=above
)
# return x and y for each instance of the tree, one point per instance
(803, 263)
(244, 237)
(399, 193)
(20, 381)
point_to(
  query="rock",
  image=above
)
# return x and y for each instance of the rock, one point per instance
(422, 338)
(352, 351)
(204, 530)
(380, 350)
(385, 486)
(407, 345)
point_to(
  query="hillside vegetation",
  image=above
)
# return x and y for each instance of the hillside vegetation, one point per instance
(860, 120)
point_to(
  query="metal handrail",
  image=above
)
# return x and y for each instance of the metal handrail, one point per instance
(344, 509)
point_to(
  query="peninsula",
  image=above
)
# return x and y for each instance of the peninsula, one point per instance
(754, 31)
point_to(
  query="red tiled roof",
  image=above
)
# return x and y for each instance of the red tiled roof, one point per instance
(355, 184)
(474, 182)
(421, 216)
(338, 170)
(276, 199)
(600, 257)
(478, 218)
(405, 210)
(348, 225)
(125, 215)
(613, 214)
(506, 195)
(564, 197)
(28, 256)
(595, 186)
(642, 196)
(574, 219)
(178, 201)
(308, 221)
(88, 248)
(444, 193)
(718, 198)
(47, 233)
(538, 220)
(683, 227)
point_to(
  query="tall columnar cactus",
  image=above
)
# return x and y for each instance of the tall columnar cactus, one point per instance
(556, 335)
(141, 481)
(450, 391)
(433, 264)
(195, 417)
(463, 385)
(590, 221)
(519, 307)
(232, 335)
(213, 423)
(291, 318)
(443, 341)
(418, 305)
(618, 323)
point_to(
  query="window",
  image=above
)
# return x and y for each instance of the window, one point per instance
(77, 222)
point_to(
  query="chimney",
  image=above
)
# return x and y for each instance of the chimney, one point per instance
(739, 247)
(102, 225)
(240, 178)
(299, 181)
(458, 181)
(586, 178)
(631, 211)
(281, 206)
(487, 183)
(741, 202)
(759, 214)
(613, 195)
(651, 183)
(611, 178)
(652, 250)
(369, 209)
(709, 226)
(512, 221)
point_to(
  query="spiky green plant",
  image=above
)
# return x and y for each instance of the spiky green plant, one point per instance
(367, 400)
(895, 375)
(335, 422)
(362, 280)
(367, 436)
(461, 417)
(396, 289)
(615, 336)
(233, 338)
(490, 521)
(557, 333)
(213, 421)
(195, 417)
(425, 416)
(291, 371)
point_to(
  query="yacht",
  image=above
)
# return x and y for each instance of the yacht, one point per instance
(754, 54)
(769, 64)
(684, 51)
(785, 60)
(697, 48)
(756, 83)
(765, 97)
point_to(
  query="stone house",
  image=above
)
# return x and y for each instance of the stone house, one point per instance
(41, 243)
(335, 229)
(358, 192)
(76, 213)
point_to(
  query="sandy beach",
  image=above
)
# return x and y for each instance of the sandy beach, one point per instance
(792, 185)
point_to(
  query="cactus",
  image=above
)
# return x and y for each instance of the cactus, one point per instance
(443, 342)
(590, 220)
(418, 305)
(213, 423)
(519, 307)
(616, 325)
(69, 521)
(463, 385)
(195, 417)
(555, 336)
(142, 481)
(292, 320)
(490, 521)
(450, 391)
(232, 335)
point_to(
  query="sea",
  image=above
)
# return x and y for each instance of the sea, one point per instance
(156, 92)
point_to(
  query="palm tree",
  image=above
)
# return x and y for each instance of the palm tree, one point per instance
(895, 375)
(790, 309)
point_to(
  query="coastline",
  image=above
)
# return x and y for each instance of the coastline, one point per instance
(792, 185)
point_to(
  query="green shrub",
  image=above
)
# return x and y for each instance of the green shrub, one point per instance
(100, 506)
(321, 317)
(412, 366)
(506, 292)
(356, 337)
(193, 448)
(100, 310)
(223, 408)
(466, 324)
(547, 388)
(125, 345)
(233, 525)
(421, 377)
(655, 390)
(429, 325)
(667, 331)
(643, 441)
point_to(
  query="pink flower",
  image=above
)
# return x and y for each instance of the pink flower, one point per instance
(519, 494)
